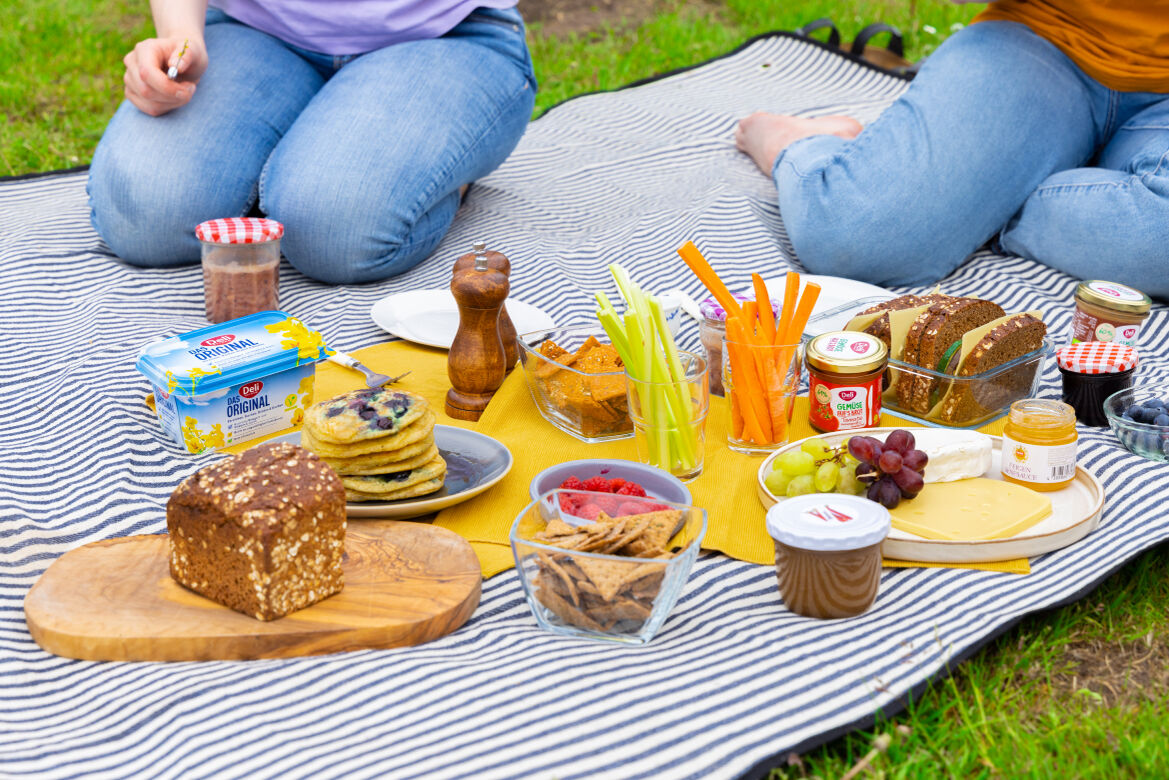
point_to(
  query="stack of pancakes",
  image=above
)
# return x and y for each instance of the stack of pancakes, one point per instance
(380, 442)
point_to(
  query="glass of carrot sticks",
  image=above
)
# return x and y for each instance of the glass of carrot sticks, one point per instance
(761, 355)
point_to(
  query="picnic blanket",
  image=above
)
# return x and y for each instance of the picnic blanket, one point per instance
(732, 683)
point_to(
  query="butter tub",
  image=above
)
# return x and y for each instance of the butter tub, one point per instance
(234, 381)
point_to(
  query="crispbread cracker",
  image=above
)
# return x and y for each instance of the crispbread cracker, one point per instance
(420, 429)
(413, 455)
(659, 528)
(397, 481)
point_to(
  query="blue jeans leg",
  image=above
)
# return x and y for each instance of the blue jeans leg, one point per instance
(366, 181)
(993, 113)
(1110, 221)
(153, 179)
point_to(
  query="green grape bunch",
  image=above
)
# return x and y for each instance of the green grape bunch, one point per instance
(816, 467)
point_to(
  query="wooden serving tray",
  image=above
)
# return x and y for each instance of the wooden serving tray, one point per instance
(114, 600)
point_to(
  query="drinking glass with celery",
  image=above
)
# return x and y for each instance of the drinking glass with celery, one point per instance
(761, 354)
(668, 395)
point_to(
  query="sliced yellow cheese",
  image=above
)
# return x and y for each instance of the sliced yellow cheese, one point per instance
(899, 324)
(862, 321)
(971, 509)
(970, 340)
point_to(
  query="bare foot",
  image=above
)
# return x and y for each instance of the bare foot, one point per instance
(763, 136)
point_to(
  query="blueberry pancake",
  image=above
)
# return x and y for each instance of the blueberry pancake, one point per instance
(397, 481)
(362, 415)
(420, 489)
(415, 432)
(408, 457)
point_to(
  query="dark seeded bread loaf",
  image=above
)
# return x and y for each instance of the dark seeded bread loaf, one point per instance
(1013, 337)
(262, 533)
(931, 334)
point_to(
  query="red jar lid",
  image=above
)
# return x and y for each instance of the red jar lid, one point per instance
(1097, 357)
(239, 230)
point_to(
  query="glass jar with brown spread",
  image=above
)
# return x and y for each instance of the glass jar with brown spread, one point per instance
(845, 369)
(1107, 311)
(241, 266)
(711, 333)
(828, 553)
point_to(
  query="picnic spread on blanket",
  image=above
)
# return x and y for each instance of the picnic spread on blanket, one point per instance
(709, 512)
(598, 554)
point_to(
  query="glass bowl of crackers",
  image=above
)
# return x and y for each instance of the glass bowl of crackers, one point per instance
(615, 577)
(577, 380)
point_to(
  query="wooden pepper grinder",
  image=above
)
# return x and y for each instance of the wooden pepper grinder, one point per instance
(496, 261)
(476, 362)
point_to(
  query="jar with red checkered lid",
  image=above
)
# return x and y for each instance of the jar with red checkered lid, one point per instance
(1092, 371)
(241, 266)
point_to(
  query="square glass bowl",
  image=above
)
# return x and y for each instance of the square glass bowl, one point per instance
(596, 595)
(947, 401)
(590, 406)
(1146, 439)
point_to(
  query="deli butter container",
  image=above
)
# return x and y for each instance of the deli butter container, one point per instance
(235, 381)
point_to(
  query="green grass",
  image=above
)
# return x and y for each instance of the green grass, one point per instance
(1048, 699)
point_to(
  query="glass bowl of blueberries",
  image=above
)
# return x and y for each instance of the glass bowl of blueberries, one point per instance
(1139, 416)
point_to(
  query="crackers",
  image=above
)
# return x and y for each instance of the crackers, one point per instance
(599, 594)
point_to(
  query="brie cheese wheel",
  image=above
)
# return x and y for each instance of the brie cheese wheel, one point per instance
(953, 455)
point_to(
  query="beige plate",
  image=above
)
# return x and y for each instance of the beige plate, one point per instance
(1075, 513)
(475, 463)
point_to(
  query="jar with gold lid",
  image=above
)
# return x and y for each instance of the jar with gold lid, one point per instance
(1039, 444)
(1108, 311)
(845, 369)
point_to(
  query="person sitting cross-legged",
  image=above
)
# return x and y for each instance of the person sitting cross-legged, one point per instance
(1043, 126)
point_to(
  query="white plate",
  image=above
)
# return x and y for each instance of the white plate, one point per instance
(835, 291)
(1075, 513)
(431, 317)
(475, 463)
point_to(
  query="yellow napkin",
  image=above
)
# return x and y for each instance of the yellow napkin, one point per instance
(727, 488)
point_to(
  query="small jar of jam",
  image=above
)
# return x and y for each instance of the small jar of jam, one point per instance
(828, 553)
(1039, 444)
(1092, 372)
(845, 369)
(1107, 311)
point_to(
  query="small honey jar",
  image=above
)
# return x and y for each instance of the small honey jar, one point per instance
(1039, 444)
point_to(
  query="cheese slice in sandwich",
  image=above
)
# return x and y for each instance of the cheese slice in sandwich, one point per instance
(982, 349)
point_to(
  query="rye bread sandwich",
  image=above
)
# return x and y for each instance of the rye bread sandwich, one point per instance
(995, 344)
(880, 327)
(931, 343)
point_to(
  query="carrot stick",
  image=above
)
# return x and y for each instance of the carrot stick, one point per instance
(753, 403)
(736, 417)
(697, 263)
(790, 293)
(750, 315)
(763, 302)
(795, 328)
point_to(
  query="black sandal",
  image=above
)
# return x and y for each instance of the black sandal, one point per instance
(891, 58)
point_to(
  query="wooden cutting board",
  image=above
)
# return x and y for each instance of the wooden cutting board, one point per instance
(114, 600)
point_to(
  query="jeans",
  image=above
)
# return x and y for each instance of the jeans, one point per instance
(999, 135)
(361, 158)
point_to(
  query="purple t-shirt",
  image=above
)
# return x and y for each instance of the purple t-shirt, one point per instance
(352, 26)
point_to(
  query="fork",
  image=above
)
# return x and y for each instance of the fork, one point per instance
(372, 378)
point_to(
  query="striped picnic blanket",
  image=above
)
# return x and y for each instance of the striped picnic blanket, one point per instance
(731, 684)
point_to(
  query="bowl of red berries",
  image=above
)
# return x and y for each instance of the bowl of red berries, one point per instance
(594, 486)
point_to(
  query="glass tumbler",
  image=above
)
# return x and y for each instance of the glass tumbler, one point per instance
(761, 383)
(669, 418)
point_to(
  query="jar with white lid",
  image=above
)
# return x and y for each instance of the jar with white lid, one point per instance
(828, 553)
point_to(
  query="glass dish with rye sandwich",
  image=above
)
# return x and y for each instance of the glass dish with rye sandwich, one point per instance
(615, 578)
(954, 361)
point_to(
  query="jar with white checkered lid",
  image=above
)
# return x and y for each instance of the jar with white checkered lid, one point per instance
(241, 266)
(1092, 371)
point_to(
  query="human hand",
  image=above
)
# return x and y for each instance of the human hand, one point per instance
(147, 85)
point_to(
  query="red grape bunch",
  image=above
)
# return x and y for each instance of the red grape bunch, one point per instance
(892, 470)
